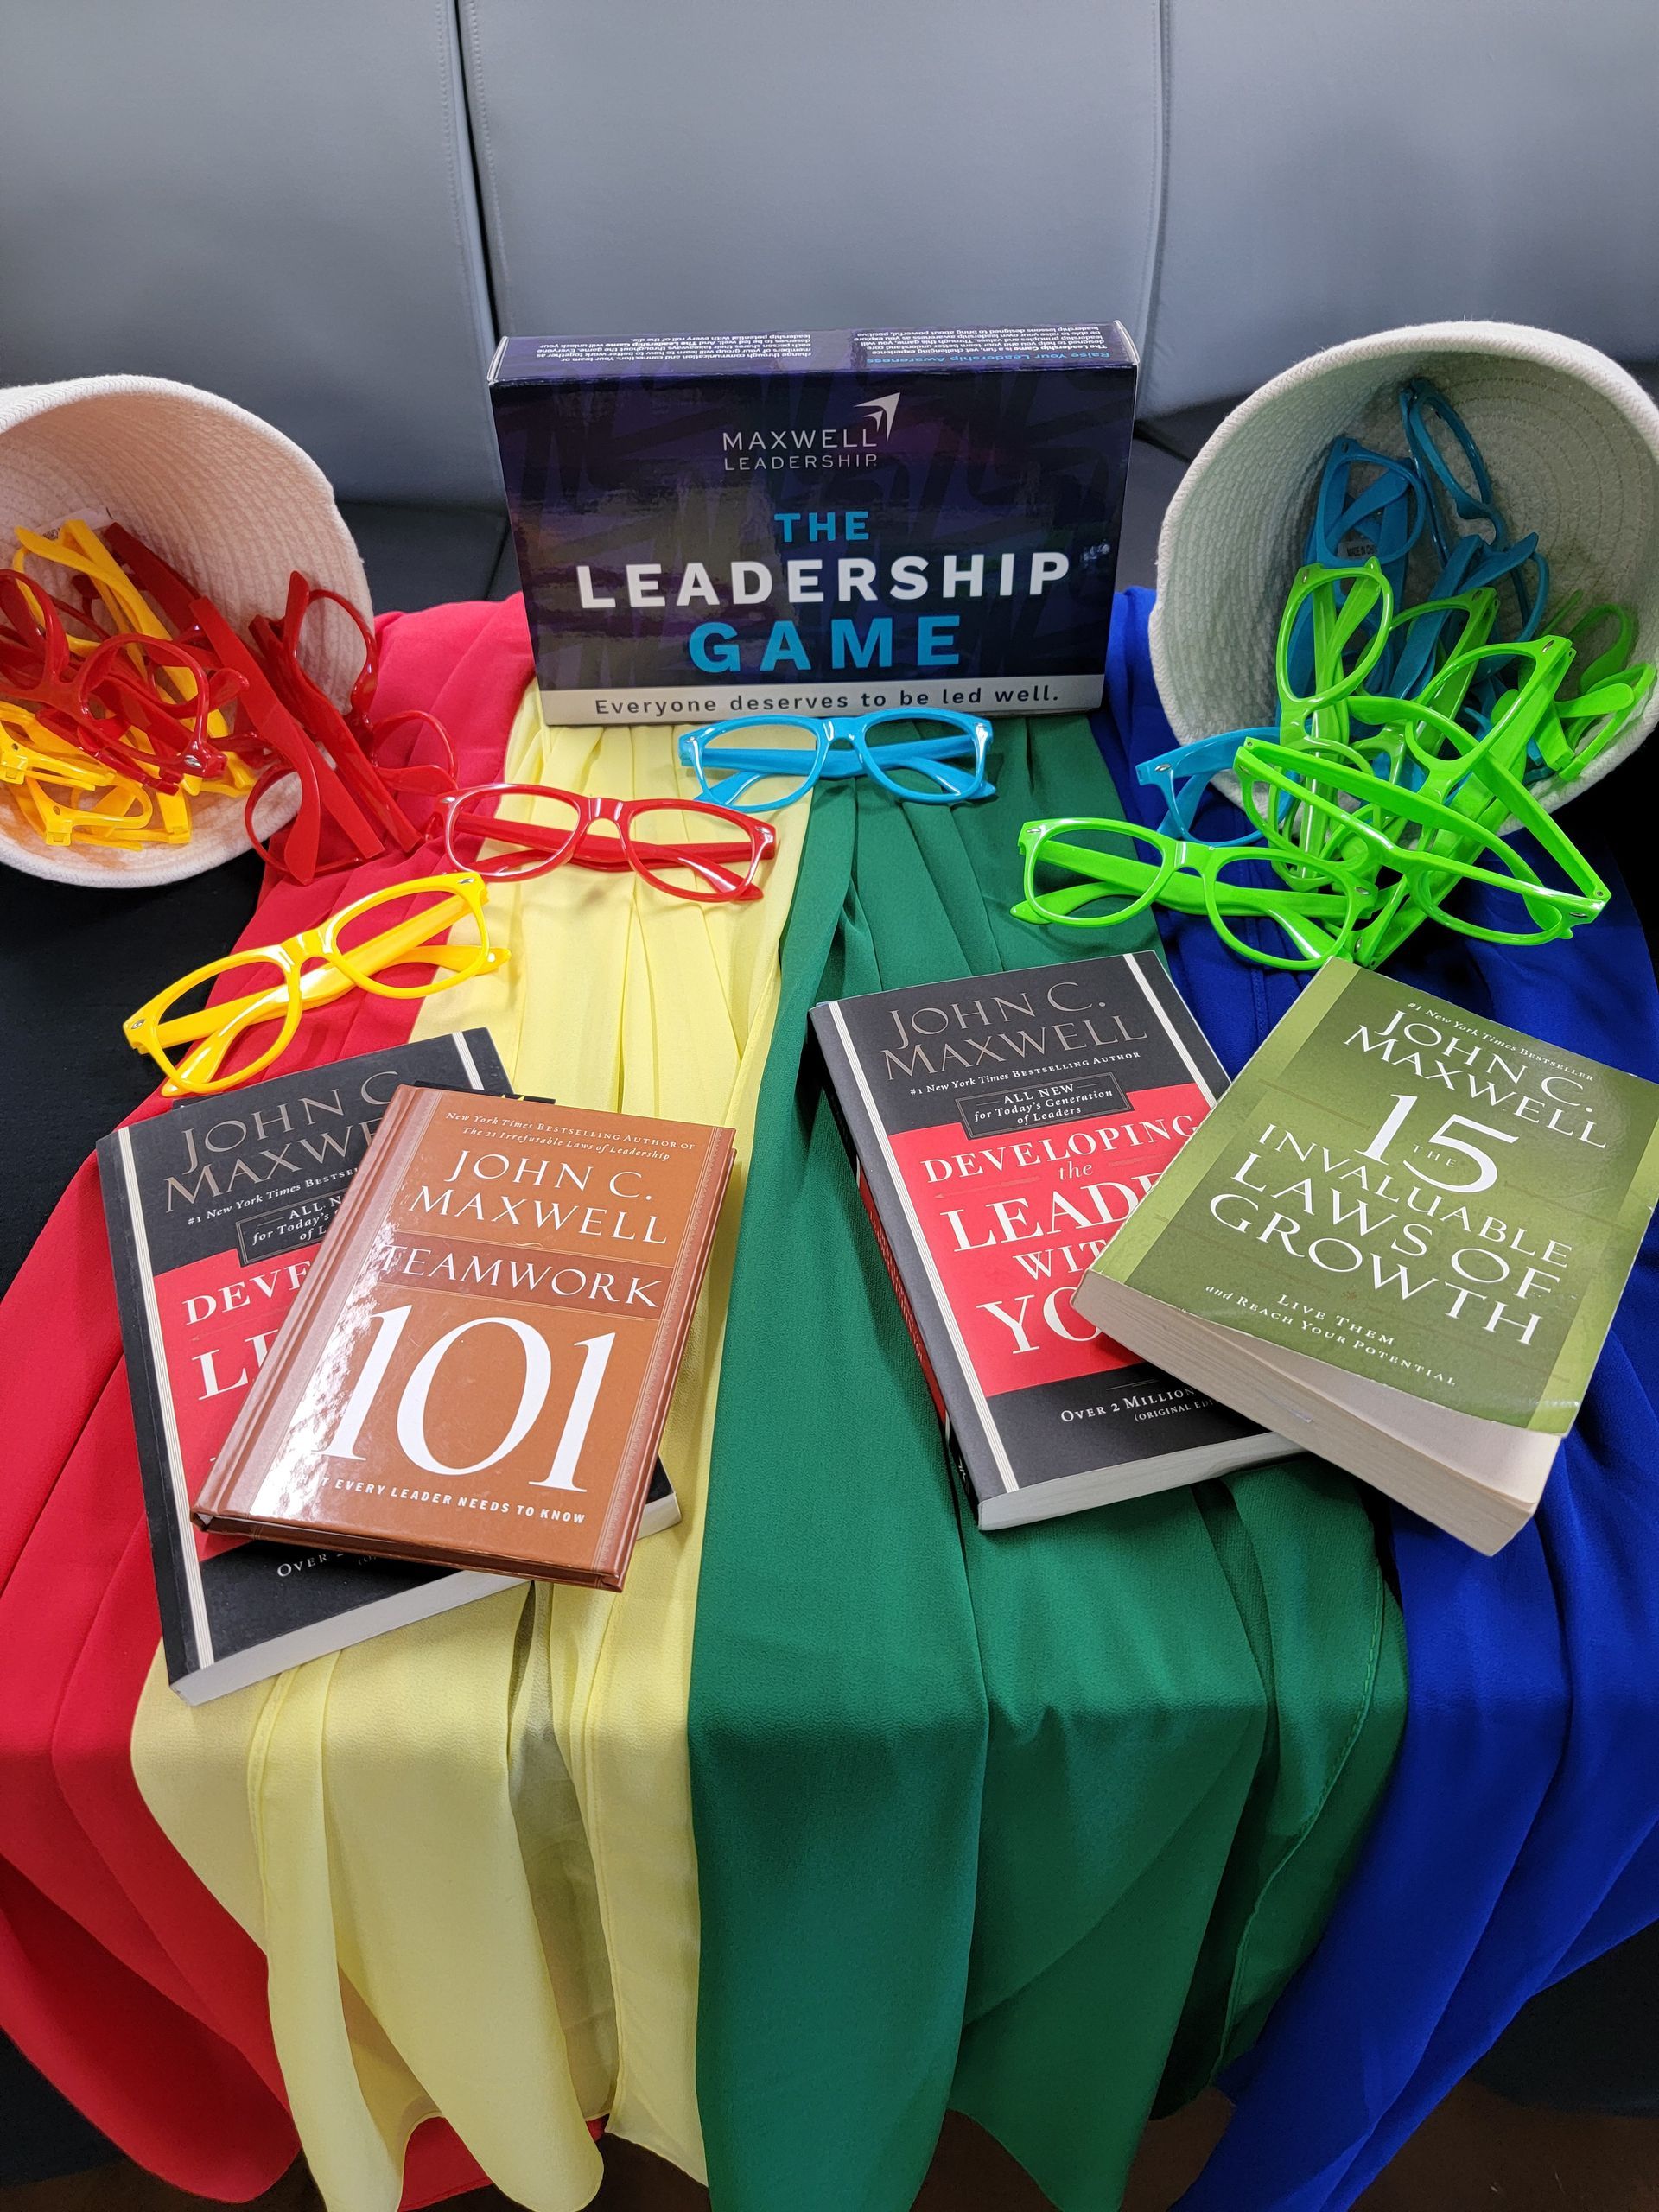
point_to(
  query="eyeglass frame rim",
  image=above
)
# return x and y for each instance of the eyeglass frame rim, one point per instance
(594, 807)
(289, 955)
(1282, 905)
(1413, 861)
(852, 729)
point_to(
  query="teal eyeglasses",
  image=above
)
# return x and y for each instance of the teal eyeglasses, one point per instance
(758, 763)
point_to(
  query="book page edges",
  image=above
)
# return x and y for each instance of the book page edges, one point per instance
(1480, 1480)
(633, 1482)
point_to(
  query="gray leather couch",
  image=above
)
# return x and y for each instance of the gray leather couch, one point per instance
(330, 210)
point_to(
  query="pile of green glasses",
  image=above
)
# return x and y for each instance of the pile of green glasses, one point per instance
(1412, 741)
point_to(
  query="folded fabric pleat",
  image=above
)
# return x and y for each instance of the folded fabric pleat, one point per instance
(465, 1850)
(1014, 1822)
(1516, 1839)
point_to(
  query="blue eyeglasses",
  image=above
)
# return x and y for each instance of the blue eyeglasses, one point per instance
(933, 758)
(1184, 776)
(1382, 517)
(1452, 469)
(1375, 505)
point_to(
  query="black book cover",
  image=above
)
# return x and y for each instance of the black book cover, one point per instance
(1003, 1128)
(215, 1209)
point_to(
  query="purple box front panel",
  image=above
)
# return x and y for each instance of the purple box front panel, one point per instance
(824, 522)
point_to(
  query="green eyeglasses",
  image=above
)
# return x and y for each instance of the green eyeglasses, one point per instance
(1432, 849)
(1410, 742)
(1351, 610)
(1085, 872)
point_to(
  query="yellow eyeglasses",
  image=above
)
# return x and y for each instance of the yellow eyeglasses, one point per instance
(281, 982)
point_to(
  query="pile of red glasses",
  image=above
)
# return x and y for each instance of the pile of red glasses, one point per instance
(126, 696)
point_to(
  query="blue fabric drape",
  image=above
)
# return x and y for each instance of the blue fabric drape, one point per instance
(1519, 1836)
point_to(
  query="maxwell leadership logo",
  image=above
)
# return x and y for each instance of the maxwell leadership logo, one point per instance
(858, 445)
(881, 411)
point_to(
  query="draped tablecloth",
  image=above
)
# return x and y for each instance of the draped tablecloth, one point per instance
(1029, 1822)
(1519, 1836)
(119, 1975)
(1032, 1824)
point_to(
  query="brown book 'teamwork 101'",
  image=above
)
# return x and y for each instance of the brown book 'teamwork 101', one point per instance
(478, 1364)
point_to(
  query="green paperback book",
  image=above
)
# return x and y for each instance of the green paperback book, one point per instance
(1399, 1240)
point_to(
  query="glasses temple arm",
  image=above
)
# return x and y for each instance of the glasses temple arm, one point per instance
(774, 761)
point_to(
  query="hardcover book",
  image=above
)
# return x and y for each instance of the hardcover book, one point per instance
(478, 1366)
(1004, 1128)
(1401, 1239)
(215, 1211)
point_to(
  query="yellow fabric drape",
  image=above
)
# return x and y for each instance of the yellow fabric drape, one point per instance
(466, 1848)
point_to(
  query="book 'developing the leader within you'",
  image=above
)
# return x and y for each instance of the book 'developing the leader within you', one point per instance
(1399, 1238)
(1004, 1128)
(478, 1364)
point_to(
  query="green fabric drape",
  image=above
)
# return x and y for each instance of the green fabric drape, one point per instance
(1014, 1823)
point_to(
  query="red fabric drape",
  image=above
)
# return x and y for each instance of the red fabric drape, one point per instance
(120, 1977)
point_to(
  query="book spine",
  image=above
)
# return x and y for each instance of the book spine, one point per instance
(978, 1450)
(176, 1583)
(244, 1459)
(884, 1245)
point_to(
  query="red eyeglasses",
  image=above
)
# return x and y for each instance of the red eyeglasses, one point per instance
(350, 797)
(687, 848)
(210, 709)
(355, 747)
(139, 705)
